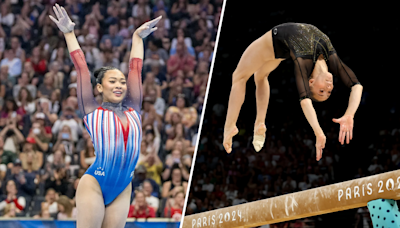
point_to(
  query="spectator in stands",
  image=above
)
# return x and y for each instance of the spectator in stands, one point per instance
(16, 48)
(23, 82)
(47, 87)
(87, 156)
(151, 200)
(139, 178)
(38, 61)
(59, 158)
(157, 101)
(58, 181)
(4, 84)
(10, 211)
(23, 180)
(171, 187)
(31, 159)
(12, 136)
(56, 74)
(66, 209)
(116, 40)
(10, 114)
(149, 83)
(61, 57)
(149, 114)
(38, 133)
(50, 204)
(54, 102)
(179, 10)
(181, 60)
(14, 64)
(13, 198)
(25, 101)
(174, 206)
(175, 118)
(152, 138)
(142, 11)
(156, 53)
(34, 77)
(140, 208)
(179, 136)
(68, 118)
(6, 156)
(154, 166)
(189, 114)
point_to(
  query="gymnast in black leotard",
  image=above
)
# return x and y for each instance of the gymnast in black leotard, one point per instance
(304, 43)
(315, 60)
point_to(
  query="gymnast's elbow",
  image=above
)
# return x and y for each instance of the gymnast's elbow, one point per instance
(304, 101)
(356, 86)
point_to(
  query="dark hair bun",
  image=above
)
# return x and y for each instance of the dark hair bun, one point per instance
(99, 73)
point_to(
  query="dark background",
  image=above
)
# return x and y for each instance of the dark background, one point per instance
(366, 39)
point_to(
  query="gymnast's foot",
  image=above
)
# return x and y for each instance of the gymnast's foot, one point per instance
(259, 136)
(228, 135)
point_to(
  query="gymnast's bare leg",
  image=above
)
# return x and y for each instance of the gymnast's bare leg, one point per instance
(254, 57)
(117, 212)
(95, 214)
(262, 99)
(93, 209)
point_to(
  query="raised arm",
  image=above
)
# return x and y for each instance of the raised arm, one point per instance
(134, 94)
(86, 100)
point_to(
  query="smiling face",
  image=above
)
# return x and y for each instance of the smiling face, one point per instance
(113, 86)
(321, 86)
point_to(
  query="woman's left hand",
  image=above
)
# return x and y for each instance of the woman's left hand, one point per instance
(346, 128)
(144, 30)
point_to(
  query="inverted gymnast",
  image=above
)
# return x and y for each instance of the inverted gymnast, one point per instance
(103, 194)
(314, 58)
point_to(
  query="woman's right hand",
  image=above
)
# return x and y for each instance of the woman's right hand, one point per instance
(144, 30)
(321, 140)
(64, 23)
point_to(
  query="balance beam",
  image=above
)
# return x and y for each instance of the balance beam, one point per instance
(322, 200)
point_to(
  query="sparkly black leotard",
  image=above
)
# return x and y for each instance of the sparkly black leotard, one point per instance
(304, 43)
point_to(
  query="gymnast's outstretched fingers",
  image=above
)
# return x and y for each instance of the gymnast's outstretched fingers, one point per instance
(346, 128)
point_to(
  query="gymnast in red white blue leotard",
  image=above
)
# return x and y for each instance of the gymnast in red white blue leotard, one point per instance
(103, 194)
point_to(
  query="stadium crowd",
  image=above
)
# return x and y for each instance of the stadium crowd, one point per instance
(44, 147)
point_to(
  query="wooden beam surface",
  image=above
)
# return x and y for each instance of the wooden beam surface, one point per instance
(322, 200)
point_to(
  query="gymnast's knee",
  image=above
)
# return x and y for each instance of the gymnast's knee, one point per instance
(260, 80)
(239, 78)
